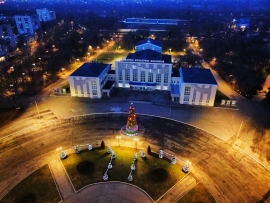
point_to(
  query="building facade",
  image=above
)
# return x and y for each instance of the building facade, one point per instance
(146, 69)
(27, 24)
(45, 14)
(197, 86)
(7, 35)
(91, 80)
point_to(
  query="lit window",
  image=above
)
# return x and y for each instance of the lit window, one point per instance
(94, 85)
(187, 91)
(135, 77)
(158, 78)
(150, 77)
(142, 76)
(127, 76)
(120, 76)
(166, 78)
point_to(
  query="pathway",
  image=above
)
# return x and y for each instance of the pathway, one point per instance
(62, 181)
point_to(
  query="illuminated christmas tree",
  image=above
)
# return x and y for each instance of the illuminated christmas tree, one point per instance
(131, 127)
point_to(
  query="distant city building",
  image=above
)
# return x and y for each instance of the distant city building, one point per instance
(149, 21)
(27, 24)
(46, 14)
(7, 34)
(91, 80)
(3, 60)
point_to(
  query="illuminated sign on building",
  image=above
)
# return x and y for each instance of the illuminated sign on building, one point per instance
(144, 60)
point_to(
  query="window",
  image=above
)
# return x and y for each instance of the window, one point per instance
(150, 77)
(135, 77)
(95, 93)
(186, 99)
(127, 76)
(158, 78)
(142, 76)
(94, 85)
(187, 91)
(120, 76)
(193, 100)
(166, 78)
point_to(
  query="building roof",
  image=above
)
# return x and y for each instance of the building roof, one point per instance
(197, 75)
(150, 41)
(149, 56)
(93, 69)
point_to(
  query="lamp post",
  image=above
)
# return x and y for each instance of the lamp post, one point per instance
(37, 110)
(136, 142)
(118, 138)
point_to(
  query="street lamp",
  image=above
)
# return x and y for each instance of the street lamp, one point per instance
(136, 142)
(170, 49)
(118, 138)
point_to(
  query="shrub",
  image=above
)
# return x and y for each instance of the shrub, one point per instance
(102, 146)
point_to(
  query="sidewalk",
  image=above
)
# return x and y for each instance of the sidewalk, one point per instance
(62, 181)
(178, 190)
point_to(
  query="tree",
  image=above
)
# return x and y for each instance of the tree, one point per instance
(131, 127)
(149, 150)
(268, 95)
(102, 146)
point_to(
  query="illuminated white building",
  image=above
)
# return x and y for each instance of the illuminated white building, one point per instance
(197, 86)
(46, 14)
(91, 80)
(146, 69)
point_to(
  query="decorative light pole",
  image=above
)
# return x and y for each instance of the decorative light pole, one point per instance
(161, 153)
(136, 142)
(186, 166)
(118, 138)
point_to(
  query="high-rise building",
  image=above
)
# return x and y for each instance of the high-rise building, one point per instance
(46, 14)
(7, 35)
(27, 24)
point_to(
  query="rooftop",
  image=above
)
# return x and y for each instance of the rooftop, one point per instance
(149, 56)
(197, 75)
(90, 69)
(150, 41)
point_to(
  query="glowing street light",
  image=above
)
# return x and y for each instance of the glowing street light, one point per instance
(136, 142)
(118, 138)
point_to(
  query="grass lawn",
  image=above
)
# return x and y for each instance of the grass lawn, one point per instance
(109, 56)
(220, 96)
(142, 176)
(39, 187)
(196, 195)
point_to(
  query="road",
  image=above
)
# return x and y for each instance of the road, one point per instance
(220, 166)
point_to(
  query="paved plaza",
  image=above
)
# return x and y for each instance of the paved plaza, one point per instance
(222, 161)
